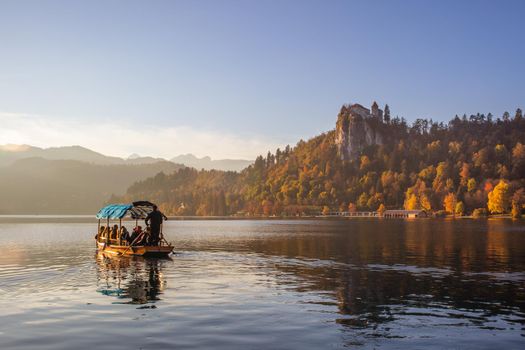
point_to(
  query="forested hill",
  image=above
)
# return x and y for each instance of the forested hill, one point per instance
(43, 186)
(370, 161)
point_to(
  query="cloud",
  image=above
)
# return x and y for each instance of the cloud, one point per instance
(119, 138)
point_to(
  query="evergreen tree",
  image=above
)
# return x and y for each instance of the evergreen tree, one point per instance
(519, 115)
(387, 114)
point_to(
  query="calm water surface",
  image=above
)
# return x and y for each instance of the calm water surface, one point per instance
(361, 284)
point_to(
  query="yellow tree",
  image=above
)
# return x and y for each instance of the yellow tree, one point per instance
(449, 203)
(381, 209)
(460, 208)
(411, 200)
(464, 174)
(471, 185)
(425, 203)
(499, 198)
(362, 201)
(518, 158)
(374, 201)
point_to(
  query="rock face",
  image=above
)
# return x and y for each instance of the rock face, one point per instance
(356, 129)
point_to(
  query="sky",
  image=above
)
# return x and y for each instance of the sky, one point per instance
(234, 79)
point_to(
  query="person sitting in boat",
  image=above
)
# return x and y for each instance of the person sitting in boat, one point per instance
(114, 232)
(154, 221)
(146, 238)
(105, 233)
(100, 235)
(136, 232)
(124, 234)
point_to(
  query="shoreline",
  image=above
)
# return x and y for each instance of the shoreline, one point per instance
(83, 218)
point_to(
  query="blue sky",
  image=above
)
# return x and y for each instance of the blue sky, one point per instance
(235, 78)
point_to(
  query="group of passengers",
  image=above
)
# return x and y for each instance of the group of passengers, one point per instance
(137, 237)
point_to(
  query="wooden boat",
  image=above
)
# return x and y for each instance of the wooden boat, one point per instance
(118, 245)
(140, 250)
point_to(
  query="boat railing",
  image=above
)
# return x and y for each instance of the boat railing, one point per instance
(162, 242)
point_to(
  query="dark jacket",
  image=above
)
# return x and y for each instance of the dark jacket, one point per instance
(155, 218)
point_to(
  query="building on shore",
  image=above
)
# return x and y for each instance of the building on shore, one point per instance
(405, 214)
(352, 214)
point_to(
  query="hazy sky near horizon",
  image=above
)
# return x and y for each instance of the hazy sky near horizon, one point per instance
(236, 78)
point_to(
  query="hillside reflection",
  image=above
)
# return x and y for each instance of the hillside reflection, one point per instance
(134, 280)
(485, 246)
(381, 272)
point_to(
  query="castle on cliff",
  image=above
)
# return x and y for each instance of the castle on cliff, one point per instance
(357, 128)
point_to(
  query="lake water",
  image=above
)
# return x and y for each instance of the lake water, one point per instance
(275, 284)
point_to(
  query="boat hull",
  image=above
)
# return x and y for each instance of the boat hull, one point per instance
(146, 251)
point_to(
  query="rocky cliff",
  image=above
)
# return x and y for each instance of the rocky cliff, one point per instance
(357, 127)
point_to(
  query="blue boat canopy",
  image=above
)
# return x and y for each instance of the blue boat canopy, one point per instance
(136, 210)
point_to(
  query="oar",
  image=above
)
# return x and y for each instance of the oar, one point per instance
(162, 236)
(134, 241)
(164, 239)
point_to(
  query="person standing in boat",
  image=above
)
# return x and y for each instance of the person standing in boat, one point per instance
(154, 221)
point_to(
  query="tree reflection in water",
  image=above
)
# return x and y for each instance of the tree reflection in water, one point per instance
(135, 279)
(438, 273)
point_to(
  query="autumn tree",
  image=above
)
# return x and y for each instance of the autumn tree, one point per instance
(471, 185)
(498, 198)
(381, 210)
(464, 174)
(411, 200)
(267, 207)
(424, 201)
(449, 203)
(362, 202)
(518, 160)
(460, 209)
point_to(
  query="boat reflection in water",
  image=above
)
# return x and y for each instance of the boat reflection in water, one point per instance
(133, 280)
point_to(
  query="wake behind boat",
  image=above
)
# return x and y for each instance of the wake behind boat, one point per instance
(117, 239)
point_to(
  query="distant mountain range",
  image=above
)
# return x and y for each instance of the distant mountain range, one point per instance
(77, 180)
(10, 153)
(207, 163)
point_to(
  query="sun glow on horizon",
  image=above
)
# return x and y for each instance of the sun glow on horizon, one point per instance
(119, 138)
